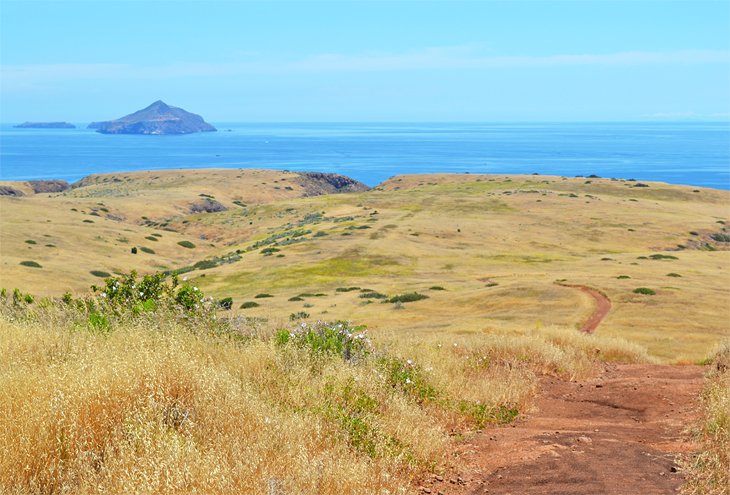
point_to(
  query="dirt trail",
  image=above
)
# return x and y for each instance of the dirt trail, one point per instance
(618, 433)
(603, 306)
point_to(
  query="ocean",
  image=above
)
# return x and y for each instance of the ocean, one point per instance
(696, 153)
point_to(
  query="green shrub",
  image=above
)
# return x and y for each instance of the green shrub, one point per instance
(407, 377)
(147, 250)
(491, 284)
(436, 287)
(30, 241)
(373, 295)
(262, 296)
(134, 250)
(151, 238)
(100, 273)
(350, 343)
(31, 264)
(186, 244)
(321, 233)
(346, 289)
(98, 322)
(719, 237)
(300, 315)
(249, 304)
(225, 303)
(621, 277)
(269, 251)
(205, 264)
(295, 298)
(408, 297)
(676, 275)
(663, 257)
(88, 221)
(645, 291)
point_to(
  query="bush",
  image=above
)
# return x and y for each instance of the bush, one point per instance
(31, 264)
(719, 237)
(644, 290)
(300, 315)
(134, 250)
(147, 250)
(31, 241)
(663, 257)
(295, 298)
(151, 238)
(225, 303)
(408, 377)
(350, 343)
(408, 297)
(436, 287)
(249, 304)
(100, 273)
(269, 251)
(676, 275)
(346, 289)
(622, 277)
(186, 244)
(262, 296)
(373, 295)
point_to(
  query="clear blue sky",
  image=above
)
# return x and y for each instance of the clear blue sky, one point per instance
(367, 61)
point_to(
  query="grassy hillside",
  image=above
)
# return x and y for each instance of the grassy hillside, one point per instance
(485, 250)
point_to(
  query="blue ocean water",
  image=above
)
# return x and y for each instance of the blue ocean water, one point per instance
(681, 153)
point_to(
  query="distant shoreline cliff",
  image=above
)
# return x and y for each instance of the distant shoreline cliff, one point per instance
(45, 125)
(157, 119)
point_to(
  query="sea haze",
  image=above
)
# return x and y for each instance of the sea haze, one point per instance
(680, 153)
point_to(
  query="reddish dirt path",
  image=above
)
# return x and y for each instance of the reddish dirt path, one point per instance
(603, 306)
(616, 434)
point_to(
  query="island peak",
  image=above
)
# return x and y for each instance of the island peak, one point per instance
(157, 118)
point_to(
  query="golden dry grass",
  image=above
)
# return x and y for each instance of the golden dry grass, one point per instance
(495, 243)
(708, 472)
(157, 405)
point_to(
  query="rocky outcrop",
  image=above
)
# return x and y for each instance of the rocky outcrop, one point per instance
(48, 186)
(10, 191)
(157, 119)
(318, 183)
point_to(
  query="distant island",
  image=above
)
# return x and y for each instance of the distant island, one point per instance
(157, 119)
(45, 125)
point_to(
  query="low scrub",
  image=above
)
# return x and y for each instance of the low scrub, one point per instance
(645, 291)
(708, 472)
(186, 244)
(100, 273)
(408, 297)
(249, 304)
(31, 264)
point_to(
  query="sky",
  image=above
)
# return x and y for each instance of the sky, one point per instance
(350, 61)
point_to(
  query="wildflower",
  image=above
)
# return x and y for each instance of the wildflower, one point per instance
(408, 381)
(103, 294)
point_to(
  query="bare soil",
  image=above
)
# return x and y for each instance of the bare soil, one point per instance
(618, 433)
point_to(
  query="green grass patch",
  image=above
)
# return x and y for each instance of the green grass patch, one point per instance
(147, 250)
(262, 296)
(249, 304)
(151, 238)
(676, 275)
(186, 244)
(30, 241)
(100, 273)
